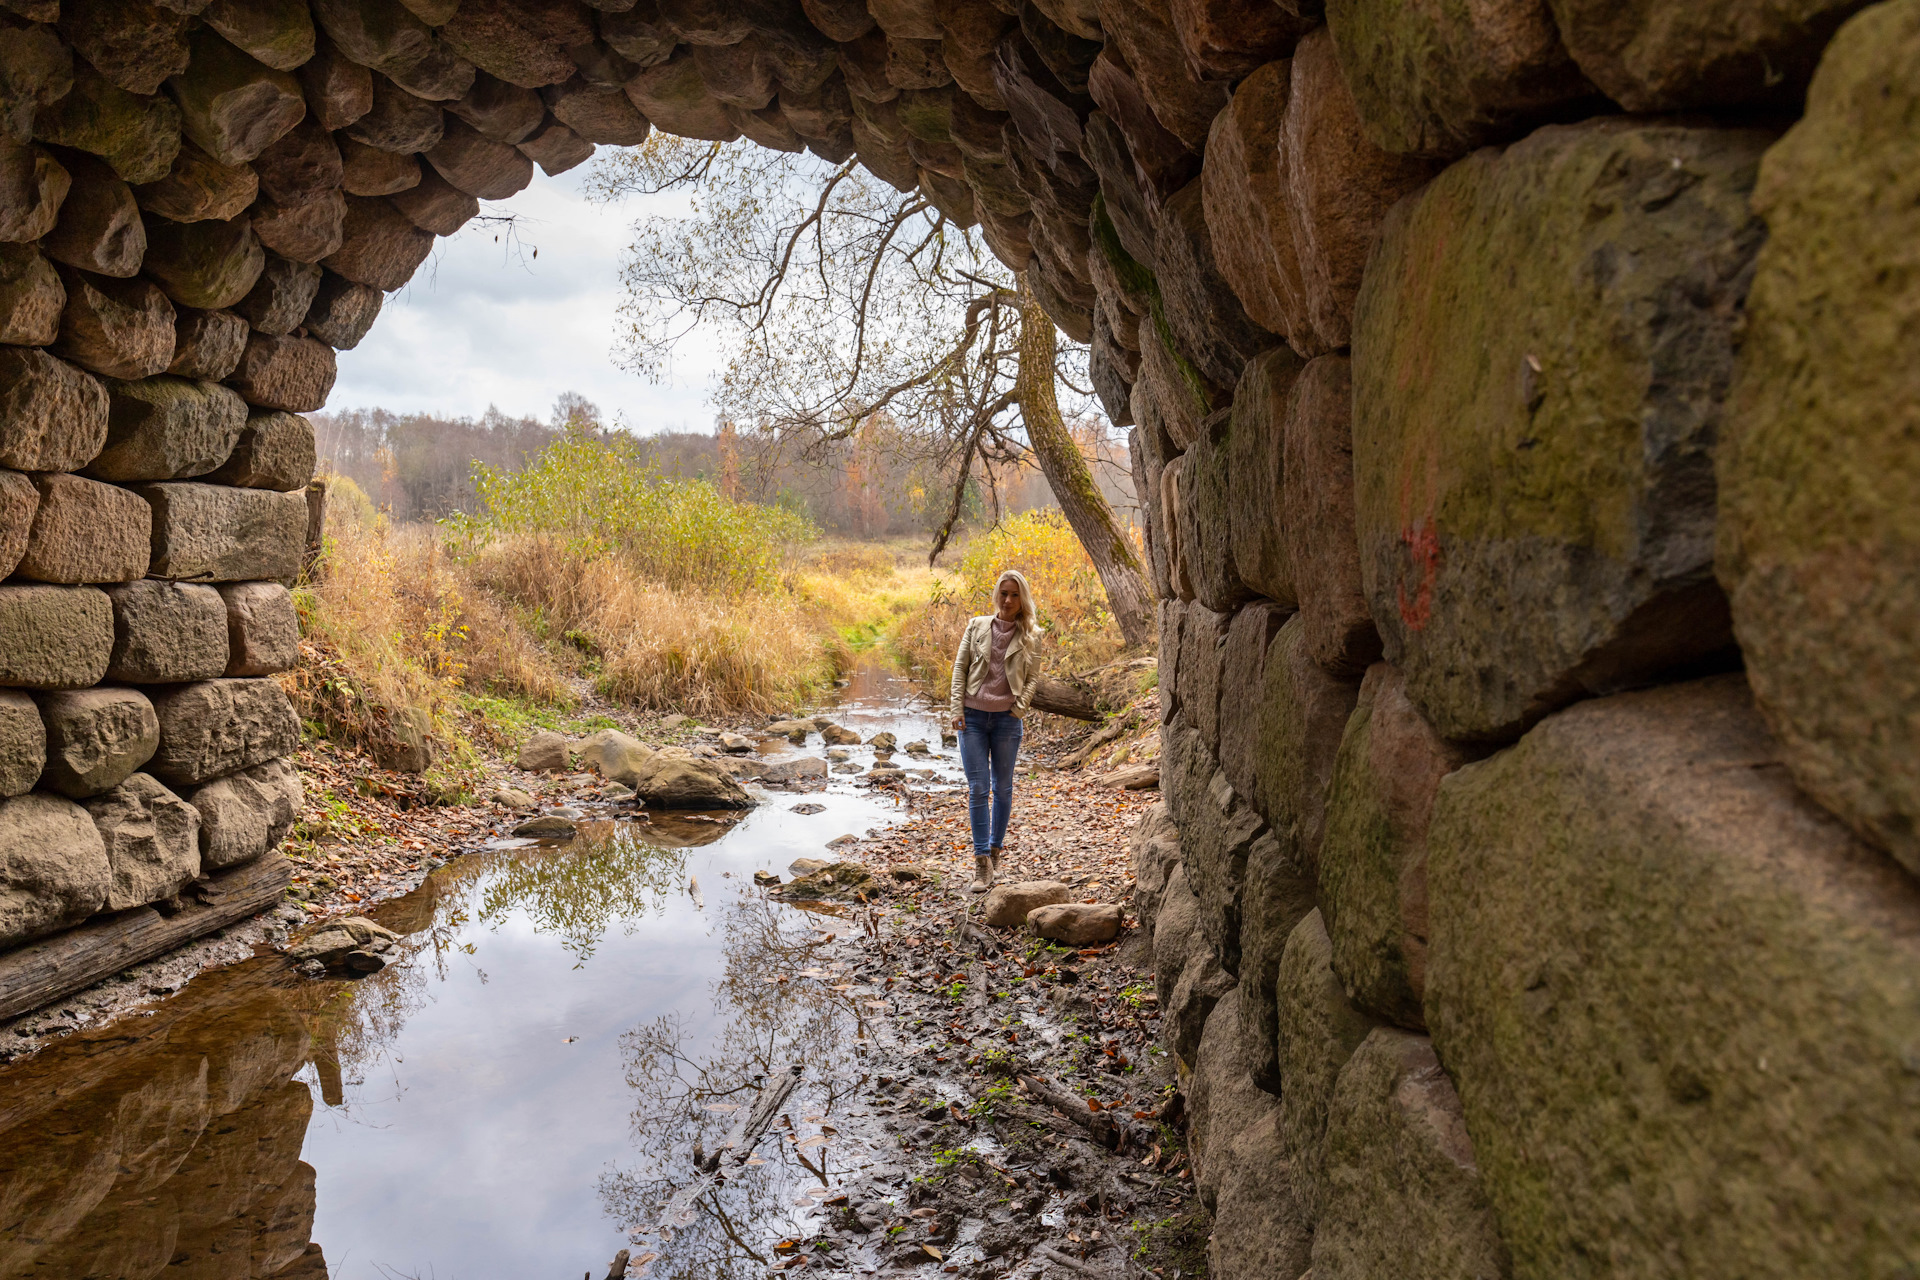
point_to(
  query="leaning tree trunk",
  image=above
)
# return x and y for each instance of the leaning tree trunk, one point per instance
(1072, 480)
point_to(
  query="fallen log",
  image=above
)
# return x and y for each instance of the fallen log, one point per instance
(747, 1130)
(44, 971)
(1070, 698)
(1099, 1125)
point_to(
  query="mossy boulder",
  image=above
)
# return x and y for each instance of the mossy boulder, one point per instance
(1819, 535)
(1681, 1003)
(1541, 350)
(205, 264)
(138, 136)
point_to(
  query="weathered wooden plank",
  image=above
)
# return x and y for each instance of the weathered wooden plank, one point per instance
(43, 971)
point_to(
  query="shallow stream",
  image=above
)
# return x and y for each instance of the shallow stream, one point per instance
(516, 1096)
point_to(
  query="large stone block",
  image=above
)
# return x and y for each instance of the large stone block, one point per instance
(393, 41)
(1189, 988)
(1679, 1001)
(342, 312)
(139, 136)
(247, 813)
(167, 429)
(263, 631)
(369, 171)
(1338, 188)
(31, 297)
(1142, 32)
(339, 90)
(54, 637)
(167, 632)
(120, 328)
(152, 838)
(1243, 665)
(219, 727)
(1655, 55)
(519, 44)
(399, 121)
(275, 32)
(674, 97)
(1373, 858)
(436, 205)
(1218, 830)
(1278, 894)
(206, 344)
(1403, 1192)
(1818, 544)
(556, 149)
(53, 417)
(19, 499)
(232, 105)
(285, 372)
(597, 115)
(199, 188)
(501, 111)
(136, 44)
(481, 167)
(1438, 80)
(275, 451)
(306, 232)
(1536, 519)
(1245, 201)
(23, 743)
(214, 533)
(1256, 474)
(1202, 312)
(33, 186)
(1317, 518)
(1173, 523)
(205, 264)
(279, 299)
(96, 738)
(1229, 39)
(39, 72)
(85, 531)
(99, 228)
(1303, 713)
(1206, 539)
(303, 165)
(53, 867)
(1153, 851)
(1203, 638)
(1318, 1032)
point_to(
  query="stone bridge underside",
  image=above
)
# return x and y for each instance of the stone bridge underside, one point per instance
(1526, 392)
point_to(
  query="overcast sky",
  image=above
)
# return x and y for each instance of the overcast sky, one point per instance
(484, 322)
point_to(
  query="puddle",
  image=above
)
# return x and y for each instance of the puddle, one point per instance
(519, 1095)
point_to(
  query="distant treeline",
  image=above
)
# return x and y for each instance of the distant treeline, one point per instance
(419, 466)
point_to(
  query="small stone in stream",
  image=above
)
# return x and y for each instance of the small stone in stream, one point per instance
(548, 826)
(840, 842)
(839, 755)
(883, 742)
(1007, 905)
(765, 879)
(885, 766)
(675, 721)
(332, 942)
(948, 738)
(835, 736)
(361, 960)
(907, 871)
(736, 743)
(1077, 924)
(807, 866)
(795, 731)
(615, 791)
(848, 766)
(918, 747)
(514, 798)
(808, 808)
(545, 750)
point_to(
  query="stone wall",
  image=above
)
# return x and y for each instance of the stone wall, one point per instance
(1527, 394)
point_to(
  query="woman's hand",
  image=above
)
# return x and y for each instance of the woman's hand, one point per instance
(960, 723)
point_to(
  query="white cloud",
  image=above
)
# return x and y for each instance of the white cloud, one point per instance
(486, 321)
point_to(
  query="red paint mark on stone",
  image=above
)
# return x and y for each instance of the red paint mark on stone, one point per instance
(1422, 542)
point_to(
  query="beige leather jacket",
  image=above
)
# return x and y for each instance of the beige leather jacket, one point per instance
(970, 667)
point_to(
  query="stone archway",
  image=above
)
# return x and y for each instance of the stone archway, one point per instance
(1493, 430)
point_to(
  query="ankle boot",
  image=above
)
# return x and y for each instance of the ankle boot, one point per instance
(993, 855)
(982, 875)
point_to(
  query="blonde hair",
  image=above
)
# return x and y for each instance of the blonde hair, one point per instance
(1029, 607)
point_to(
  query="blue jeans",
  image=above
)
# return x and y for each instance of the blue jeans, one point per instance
(988, 746)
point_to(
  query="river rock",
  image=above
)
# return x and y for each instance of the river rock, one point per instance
(139, 136)
(609, 752)
(263, 630)
(369, 171)
(1317, 519)
(167, 428)
(53, 417)
(664, 782)
(1816, 486)
(54, 637)
(206, 344)
(1077, 924)
(836, 736)
(85, 531)
(1339, 187)
(736, 743)
(1433, 82)
(1594, 1081)
(23, 742)
(1006, 905)
(99, 228)
(794, 731)
(199, 188)
(216, 533)
(274, 451)
(1404, 1195)
(793, 770)
(548, 826)
(544, 751)
(96, 738)
(1609, 400)
(204, 264)
(337, 941)
(152, 838)
(1319, 1030)
(120, 328)
(380, 247)
(221, 726)
(53, 867)
(167, 632)
(514, 798)
(31, 297)
(342, 311)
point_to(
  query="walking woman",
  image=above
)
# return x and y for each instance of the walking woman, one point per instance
(993, 678)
